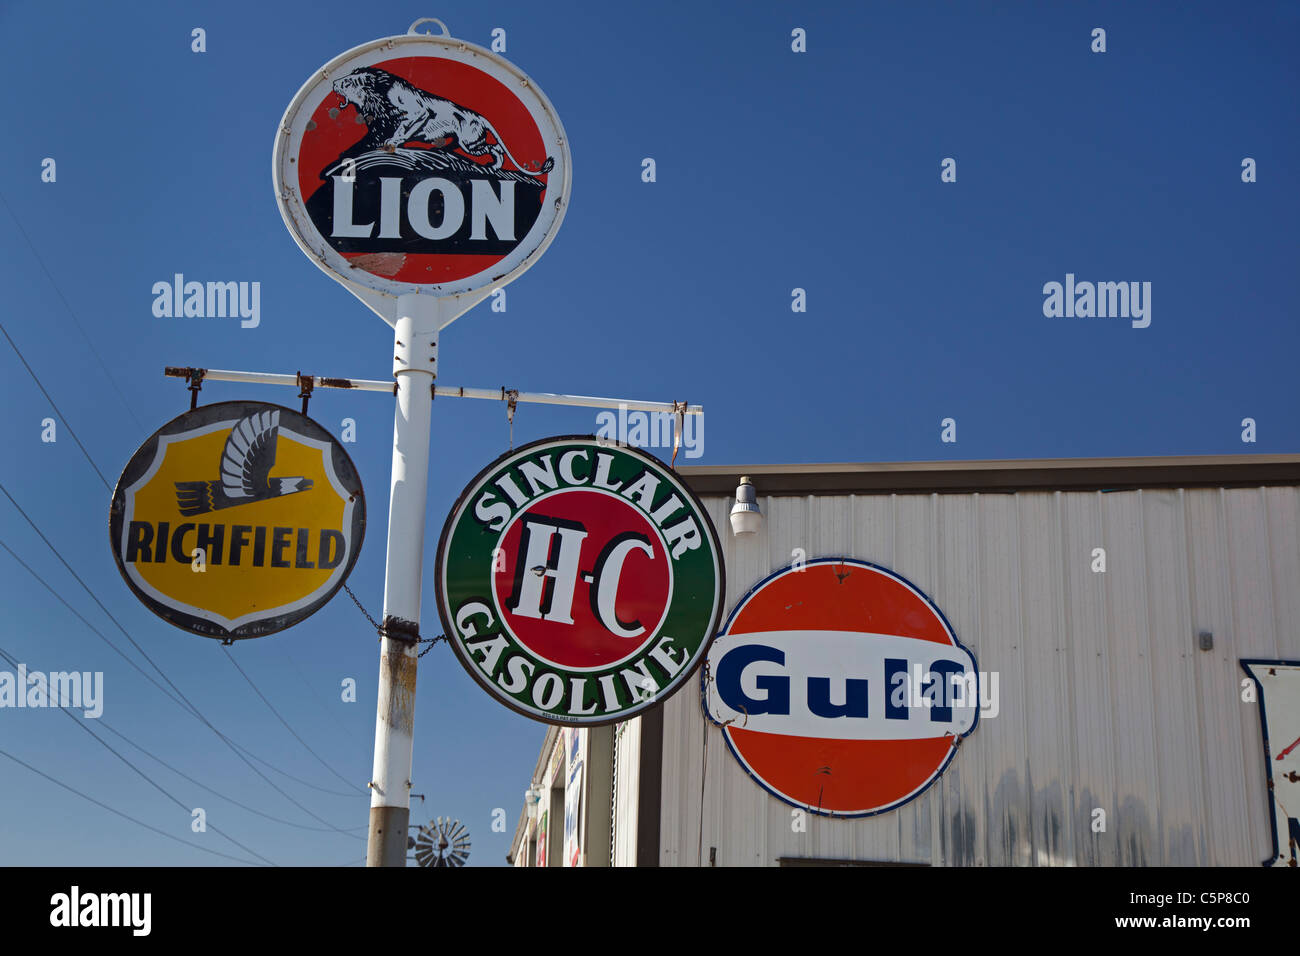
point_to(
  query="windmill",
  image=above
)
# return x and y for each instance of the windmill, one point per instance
(440, 842)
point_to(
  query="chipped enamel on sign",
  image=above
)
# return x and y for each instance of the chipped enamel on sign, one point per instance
(272, 503)
(579, 581)
(841, 688)
(421, 164)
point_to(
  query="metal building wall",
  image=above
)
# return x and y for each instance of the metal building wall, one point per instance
(1105, 699)
(627, 784)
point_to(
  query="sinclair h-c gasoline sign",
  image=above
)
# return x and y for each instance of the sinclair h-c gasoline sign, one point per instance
(421, 163)
(237, 519)
(840, 687)
(579, 581)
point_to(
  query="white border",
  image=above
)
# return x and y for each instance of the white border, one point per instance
(499, 694)
(763, 781)
(293, 126)
(230, 624)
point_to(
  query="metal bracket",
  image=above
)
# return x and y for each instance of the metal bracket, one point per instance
(305, 384)
(407, 632)
(195, 378)
(511, 397)
(428, 33)
(679, 429)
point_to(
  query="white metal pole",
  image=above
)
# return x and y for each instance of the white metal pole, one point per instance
(414, 368)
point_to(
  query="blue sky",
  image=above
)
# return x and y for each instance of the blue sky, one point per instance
(775, 170)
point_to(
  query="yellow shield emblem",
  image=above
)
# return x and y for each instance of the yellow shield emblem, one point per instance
(237, 519)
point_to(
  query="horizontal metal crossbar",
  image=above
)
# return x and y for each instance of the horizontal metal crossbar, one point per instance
(449, 391)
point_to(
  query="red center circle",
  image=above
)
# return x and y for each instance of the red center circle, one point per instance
(583, 579)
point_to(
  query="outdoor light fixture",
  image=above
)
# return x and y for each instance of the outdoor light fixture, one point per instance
(531, 798)
(745, 516)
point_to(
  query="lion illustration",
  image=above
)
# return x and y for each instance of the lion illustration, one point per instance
(397, 112)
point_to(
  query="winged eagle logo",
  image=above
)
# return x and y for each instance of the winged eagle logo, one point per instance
(246, 464)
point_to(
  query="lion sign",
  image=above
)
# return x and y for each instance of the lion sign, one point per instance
(422, 164)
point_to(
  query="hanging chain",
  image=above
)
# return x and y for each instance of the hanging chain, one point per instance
(679, 428)
(373, 623)
(383, 632)
(511, 396)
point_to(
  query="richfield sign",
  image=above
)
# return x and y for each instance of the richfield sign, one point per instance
(421, 163)
(237, 519)
(579, 581)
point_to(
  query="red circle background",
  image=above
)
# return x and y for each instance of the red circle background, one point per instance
(643, 590)
(464, 85)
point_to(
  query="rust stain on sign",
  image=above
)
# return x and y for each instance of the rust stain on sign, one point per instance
(380, 263)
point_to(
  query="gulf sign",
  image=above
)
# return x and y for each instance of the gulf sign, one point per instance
(840, 687)
(579, 581)
(421, 163)
(237, 519)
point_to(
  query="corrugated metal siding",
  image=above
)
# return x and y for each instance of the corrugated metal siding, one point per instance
(1105, 700)
(627, 783)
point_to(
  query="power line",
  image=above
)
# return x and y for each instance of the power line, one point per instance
(160, 788)
(66, 423)
(153, 680)
(323, 763)
(100, 634)
(103, 479)
(77, 322)
(213, 790)
(183, 701)
(284, 773)
(315, 694)
(188, 705)
(13, 662)
(85, 588)
(98, 803)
